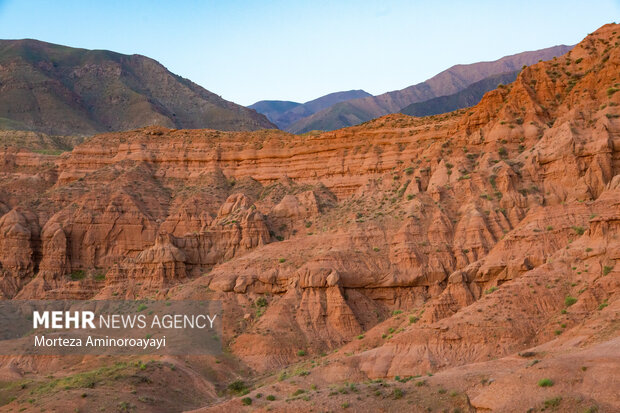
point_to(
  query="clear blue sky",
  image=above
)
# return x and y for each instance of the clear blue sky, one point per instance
(298, 50)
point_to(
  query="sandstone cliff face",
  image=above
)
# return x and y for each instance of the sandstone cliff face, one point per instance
(408, 244)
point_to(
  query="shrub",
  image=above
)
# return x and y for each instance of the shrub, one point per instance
(246, 401)
(281, 260)
(298, 392)
(579, 230)
(397, 393)
(491, 290)
(413, 319)
(361, 336)
(555, 402)
(607, 269)
(611, 91)
(503, 152)
(261, 302)
(301, 353)
(237, 386)
(271, 397)
(545, 383)
(568, 301)
(77, 275)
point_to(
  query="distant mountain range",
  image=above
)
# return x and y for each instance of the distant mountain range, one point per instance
(469, 96)
(284, 113)
(60, 90)
(447, 83)
(67, 91)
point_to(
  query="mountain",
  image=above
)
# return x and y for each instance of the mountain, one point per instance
(463, 99)
(62, 90)
(273, 109)
(285, 113)
(464, 262)
(450, 81)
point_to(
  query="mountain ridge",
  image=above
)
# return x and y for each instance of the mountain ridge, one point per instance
(285, 113)
(447, 82)
(467, 97)
(57, 89)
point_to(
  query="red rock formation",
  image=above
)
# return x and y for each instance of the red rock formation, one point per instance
(407, 244)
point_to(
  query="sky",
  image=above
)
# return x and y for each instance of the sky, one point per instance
(247, 51)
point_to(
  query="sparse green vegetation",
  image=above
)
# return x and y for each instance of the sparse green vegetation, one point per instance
(579, 230)
(568, 301)
(99, 276)
(237, 387)
(86, 380)
(397, 393)
(491, 290)
(271, 397)
(77, 275)
(246, 401)
(301, 353)
(545, 383)
(554, 402)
